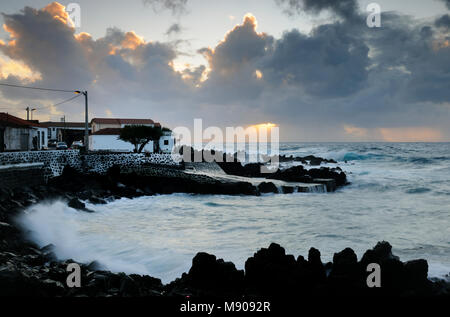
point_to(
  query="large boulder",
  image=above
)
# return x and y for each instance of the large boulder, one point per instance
(316, 266)
(267, 187)
(75, 203)
(209, 275)
(393, 273)
(345, 274)
(271, 272)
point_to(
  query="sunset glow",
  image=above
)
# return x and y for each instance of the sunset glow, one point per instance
(267, 126)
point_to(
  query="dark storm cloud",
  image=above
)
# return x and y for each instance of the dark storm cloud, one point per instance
(345, 8)
(341, 73)
(327, 63)
(233, 64)
(443, 22)
(174, 28)
(175, 6)
(447, 3)
(46, 45)
(416, 50)
(119, 66)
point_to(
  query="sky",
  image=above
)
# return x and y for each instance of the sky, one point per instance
(312, 67)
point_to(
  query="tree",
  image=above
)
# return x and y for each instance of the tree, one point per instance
(140, 135)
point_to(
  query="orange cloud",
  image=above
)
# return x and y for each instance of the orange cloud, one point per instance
(250, 19)
(132, 40)
(355, 131)
(18, 69)
(58, 11)
(9, 30)
(410, 134)
(83, 36)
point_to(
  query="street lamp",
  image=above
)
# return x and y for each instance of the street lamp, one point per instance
(86, 123)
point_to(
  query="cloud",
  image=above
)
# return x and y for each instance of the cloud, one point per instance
(447, 3)
(174, 28)
(411, 134)
(119, 66)
(443, 22)
(233, 62)
(327, 63)
(346, 9)
(43, 41)
(175, 6)
(341, 81)
(355, 131)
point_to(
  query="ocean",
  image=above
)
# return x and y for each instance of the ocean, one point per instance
(399, 192)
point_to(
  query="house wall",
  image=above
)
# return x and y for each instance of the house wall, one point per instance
(18, 139)
(52, 133)
(113, 143)
(43, 137)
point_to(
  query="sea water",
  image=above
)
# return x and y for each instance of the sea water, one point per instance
(399, 192)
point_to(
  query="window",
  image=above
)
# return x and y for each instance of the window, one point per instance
(166, 142)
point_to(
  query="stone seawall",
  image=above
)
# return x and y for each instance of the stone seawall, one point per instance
(55, 161)
(100, 163)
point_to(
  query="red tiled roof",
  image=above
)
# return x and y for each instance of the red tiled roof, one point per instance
(108, 131)
(10, 120)
(123, 121)
(64, 124)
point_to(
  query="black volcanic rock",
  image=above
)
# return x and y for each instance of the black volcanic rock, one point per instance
(417, 272)
(287, 189)
(75, 203)
(316, 266)
(209, 275)
(345, 274)
(326, 172)
(267, 187)
(270, 272)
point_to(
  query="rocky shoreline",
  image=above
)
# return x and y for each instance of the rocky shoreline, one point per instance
(27, 270)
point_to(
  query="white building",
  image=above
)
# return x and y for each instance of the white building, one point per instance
(17, 134)
(106, 131)
(167, 142)
(108, 140)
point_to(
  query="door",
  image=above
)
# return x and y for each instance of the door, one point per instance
(24, 141)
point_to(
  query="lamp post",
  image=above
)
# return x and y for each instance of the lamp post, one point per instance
(86, 118)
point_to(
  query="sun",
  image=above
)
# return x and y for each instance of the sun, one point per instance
(267, 125)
